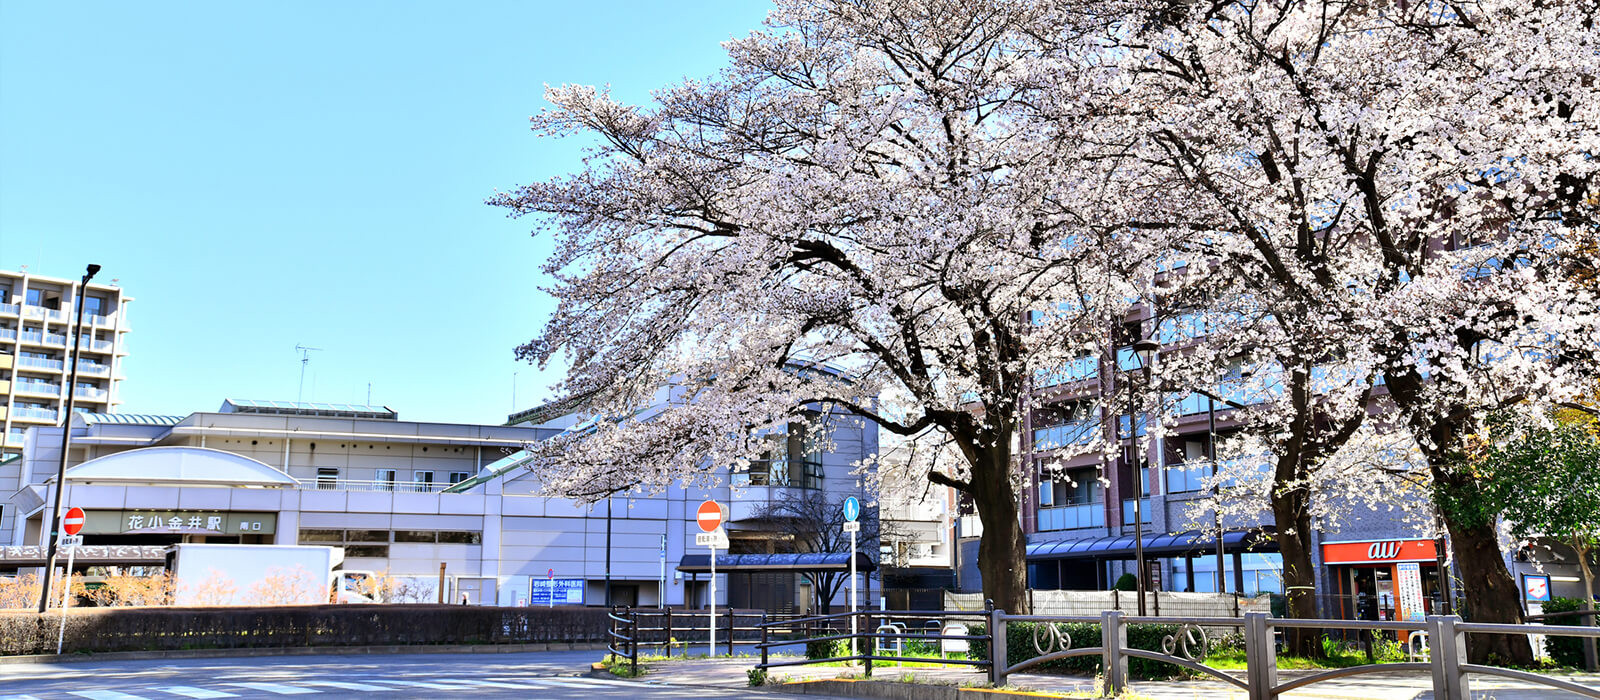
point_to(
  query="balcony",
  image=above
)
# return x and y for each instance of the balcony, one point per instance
(55, 339)
(38, 388)
(40, 363)
(1073, 517)
(10, 309)
(92, 394)
(93, 369)
(92, 345)
(1188, 477)
(1144, 511)
(44, 414)
(1077, 432)
(8, 334)
(336, 484)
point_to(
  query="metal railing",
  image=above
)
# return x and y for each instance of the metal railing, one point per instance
(336, 484)
(866, 647)
(10, 308)
(40, 363)
(1444, 635)
(8, 333)
(42, 388)
(38, 413)
(623, 637)
(91, 394)
(668, 627)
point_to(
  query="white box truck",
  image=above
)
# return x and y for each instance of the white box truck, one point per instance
(252, 574)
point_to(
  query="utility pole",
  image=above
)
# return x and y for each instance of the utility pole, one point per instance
(305, 359)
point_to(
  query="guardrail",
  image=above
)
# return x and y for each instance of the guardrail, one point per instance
(624, 645)
(833, 630)
(1443, 640)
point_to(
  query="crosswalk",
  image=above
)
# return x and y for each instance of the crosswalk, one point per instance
(563, 685)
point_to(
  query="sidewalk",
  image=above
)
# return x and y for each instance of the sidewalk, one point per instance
(731, 673)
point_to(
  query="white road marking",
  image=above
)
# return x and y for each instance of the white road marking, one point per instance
(18, 697)
(489, 684)
(343, 685)
(106, 695)
(421, 684)
(190, 691)
(277, 688)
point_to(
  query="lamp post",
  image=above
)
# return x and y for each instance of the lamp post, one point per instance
(1146, 349)
(54, 524)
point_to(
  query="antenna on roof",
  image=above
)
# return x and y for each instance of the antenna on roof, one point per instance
(305, 359)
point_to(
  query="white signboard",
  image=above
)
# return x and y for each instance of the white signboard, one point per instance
(717, 539)
(1409, 586)
(852, 526)
(568, 591)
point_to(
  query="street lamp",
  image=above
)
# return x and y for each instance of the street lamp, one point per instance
(1146, 349)
(54, 524)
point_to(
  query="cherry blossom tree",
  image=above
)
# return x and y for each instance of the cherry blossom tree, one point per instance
(1401, 187)
(869, 211)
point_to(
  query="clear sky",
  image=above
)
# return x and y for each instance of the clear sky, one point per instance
(259, 175)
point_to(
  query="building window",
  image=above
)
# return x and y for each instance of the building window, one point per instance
(423, 480)
(93, 305)
(458, 477)
(428, 536)
(460, 537)
(385, 480)
(327, 478)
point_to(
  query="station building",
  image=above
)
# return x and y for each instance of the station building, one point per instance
(420, 501)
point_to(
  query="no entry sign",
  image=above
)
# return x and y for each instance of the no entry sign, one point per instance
(72, 522)
(709, 516)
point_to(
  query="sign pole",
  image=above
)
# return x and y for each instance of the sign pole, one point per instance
(853, 622)
(66, 588)
(711, 649)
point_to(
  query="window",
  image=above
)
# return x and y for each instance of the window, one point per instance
(93, 305)
(422, 480)
(460, 537)
(322, 535)
(428, 536)
(35, 297)
(458, 477)
(327, 478)
(366, 535)
(369, 551)
(385, 479)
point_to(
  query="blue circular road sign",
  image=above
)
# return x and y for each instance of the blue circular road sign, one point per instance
(852, 509)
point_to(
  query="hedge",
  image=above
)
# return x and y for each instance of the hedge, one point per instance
(1566, 651)
(164, 629)
(1019, 648)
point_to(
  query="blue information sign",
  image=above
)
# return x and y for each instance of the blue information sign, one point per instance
(568, 591)
(852, 509)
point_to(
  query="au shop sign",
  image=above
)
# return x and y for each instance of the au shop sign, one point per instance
(1379, 551)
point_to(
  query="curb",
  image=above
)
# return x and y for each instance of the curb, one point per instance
(294, 651)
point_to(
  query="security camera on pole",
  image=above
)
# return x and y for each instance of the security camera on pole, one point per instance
(852, 511)
(710, 516)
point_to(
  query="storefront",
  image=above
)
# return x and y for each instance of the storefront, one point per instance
(1382, 579)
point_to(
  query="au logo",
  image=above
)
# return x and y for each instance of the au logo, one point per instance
(1383, 550)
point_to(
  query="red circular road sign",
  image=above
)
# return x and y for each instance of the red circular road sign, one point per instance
(72, 522)
(709, 516)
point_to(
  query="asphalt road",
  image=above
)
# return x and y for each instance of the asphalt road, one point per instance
(389, 677)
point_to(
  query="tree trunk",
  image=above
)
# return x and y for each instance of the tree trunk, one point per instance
(1491, 595)
(1291, 514)
(1002, 552)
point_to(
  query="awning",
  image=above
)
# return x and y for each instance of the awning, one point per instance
(1191, 543)
(809, 561)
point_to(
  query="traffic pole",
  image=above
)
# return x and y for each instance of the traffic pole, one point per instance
(66, 587)
(711, 649)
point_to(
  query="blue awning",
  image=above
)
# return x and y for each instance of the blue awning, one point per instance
(1180, 544)
(804, 561)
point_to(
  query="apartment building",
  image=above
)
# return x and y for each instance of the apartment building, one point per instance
(1081, 504)
(36, 328)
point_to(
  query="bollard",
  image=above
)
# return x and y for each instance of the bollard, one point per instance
(1449, 652)
(1113, 639)
(1261, 656)
(997, 647)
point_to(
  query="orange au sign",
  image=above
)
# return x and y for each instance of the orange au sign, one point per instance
(1378, 552)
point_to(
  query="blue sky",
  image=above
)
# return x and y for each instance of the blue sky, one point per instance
(261, 175)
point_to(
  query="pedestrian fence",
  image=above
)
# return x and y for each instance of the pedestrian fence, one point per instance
(1435, 645)
(668, 631)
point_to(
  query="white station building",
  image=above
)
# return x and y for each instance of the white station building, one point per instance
(407, 498)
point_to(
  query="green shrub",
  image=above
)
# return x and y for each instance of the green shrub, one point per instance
(827, 649)
(757, 677)
(1565, 651)
(1126, 583)
(1019, 647)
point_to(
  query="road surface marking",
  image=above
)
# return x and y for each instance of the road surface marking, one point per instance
(343, 685)
(18, 697)
(190, 691)
(489, 684)
(277, 688)
(106, 695)
(421, 684)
